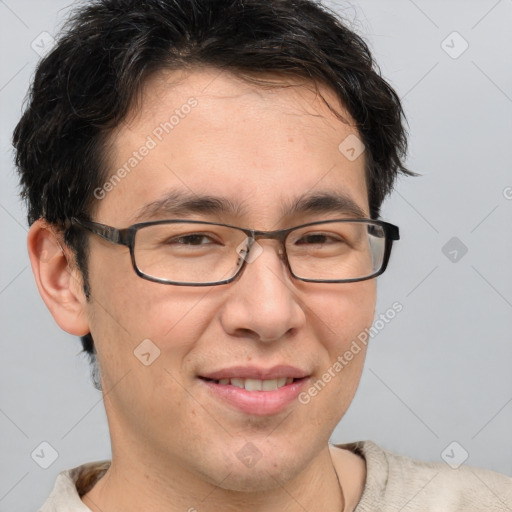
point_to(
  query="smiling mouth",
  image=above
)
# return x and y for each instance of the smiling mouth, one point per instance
(254, 384)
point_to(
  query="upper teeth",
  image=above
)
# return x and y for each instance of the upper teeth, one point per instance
(256, 384)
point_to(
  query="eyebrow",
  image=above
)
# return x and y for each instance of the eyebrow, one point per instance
(177, 204)
(325, 202)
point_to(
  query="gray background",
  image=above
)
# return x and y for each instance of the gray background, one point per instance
(439, 372)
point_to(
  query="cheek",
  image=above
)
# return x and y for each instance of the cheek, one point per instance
(341, 316)
(127, 310)
(124, 302)
(345, 312)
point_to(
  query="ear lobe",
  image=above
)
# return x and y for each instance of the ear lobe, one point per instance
(58, 281)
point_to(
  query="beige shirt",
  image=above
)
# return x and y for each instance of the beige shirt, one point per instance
(393, 484)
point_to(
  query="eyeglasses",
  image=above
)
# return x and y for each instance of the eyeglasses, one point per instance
(199, 253)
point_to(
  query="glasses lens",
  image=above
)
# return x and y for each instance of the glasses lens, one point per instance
(335, 251)
(189, 252)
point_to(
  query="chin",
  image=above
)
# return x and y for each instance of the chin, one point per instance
(258, 466)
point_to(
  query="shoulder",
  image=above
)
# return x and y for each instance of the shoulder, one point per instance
(397, 482)
(71, 484)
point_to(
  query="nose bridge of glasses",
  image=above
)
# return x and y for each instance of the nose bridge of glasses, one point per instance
(278, 236)
(253, 249)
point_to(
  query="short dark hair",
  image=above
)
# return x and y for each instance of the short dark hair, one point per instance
(93, 76)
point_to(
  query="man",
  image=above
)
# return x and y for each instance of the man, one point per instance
(204, 182)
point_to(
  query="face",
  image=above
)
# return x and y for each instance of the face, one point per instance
(257, 150)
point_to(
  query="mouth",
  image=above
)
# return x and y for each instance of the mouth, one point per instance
(255, 391)
(253, 384)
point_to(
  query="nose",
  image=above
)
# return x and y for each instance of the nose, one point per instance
(262, 303)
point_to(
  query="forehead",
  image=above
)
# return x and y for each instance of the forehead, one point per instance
(206, 132)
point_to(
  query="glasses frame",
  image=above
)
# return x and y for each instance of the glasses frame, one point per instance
(126, 237)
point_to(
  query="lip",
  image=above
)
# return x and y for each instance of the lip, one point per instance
(258, 403)
(254, 372)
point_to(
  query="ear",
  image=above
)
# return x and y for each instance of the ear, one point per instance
(59, 281)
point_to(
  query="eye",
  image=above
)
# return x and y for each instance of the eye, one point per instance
(318, 238)
(191, 239)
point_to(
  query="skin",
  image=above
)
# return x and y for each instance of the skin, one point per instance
(174, 444)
